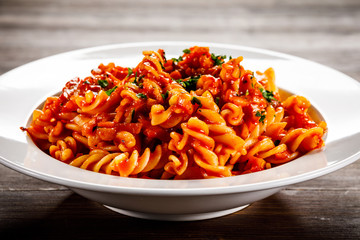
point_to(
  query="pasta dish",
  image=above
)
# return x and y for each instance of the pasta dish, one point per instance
(197, 116)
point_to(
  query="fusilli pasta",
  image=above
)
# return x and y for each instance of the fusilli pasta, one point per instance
(197, 116)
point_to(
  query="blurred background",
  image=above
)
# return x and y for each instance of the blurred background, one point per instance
(326, 31)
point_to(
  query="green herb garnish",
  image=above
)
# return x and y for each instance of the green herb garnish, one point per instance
(261, 114)
(195, 100)
(190, 84)
(268, 95)
(109, 92)
(141, 95)
(165, 95)
(163, 55)
(135, 79)
(217, 100)
(103, 83)
(130, 71)
(180, 81)
(132, 114)
(186, 51)
(177, 59)
(138, 79)
(218, 60)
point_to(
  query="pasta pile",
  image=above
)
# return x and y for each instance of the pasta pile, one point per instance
(193, 117)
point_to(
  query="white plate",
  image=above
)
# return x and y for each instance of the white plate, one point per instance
(334, 94)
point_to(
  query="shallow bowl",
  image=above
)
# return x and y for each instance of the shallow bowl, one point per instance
(333, 94)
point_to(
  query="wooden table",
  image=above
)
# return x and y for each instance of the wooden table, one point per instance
(324, 31)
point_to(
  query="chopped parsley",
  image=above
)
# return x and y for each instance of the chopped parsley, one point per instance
(162, 66)
(177, 59)
(163, 55)
(186, 51)
(180, 81)
(276, 142)
(130, 71)
(217, 100)
(141, 77)
(135, 79)
(218, 60)
(109, 92)
(195, 100)
(268, 95)
(165, 95)
(103, 83)
(189, 84)
(138, 79)
(132, 114)
(86, 82)
(141, 95)
(262, 115)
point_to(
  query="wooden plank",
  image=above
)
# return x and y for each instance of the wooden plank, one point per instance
(14, 181)
(296, 214)
(310, 30)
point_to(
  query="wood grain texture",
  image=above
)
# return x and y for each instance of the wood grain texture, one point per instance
(325, 31)
(290, 214)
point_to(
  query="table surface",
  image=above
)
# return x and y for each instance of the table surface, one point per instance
(327, 32)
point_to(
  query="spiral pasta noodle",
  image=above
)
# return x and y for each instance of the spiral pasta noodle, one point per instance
(197, 116)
